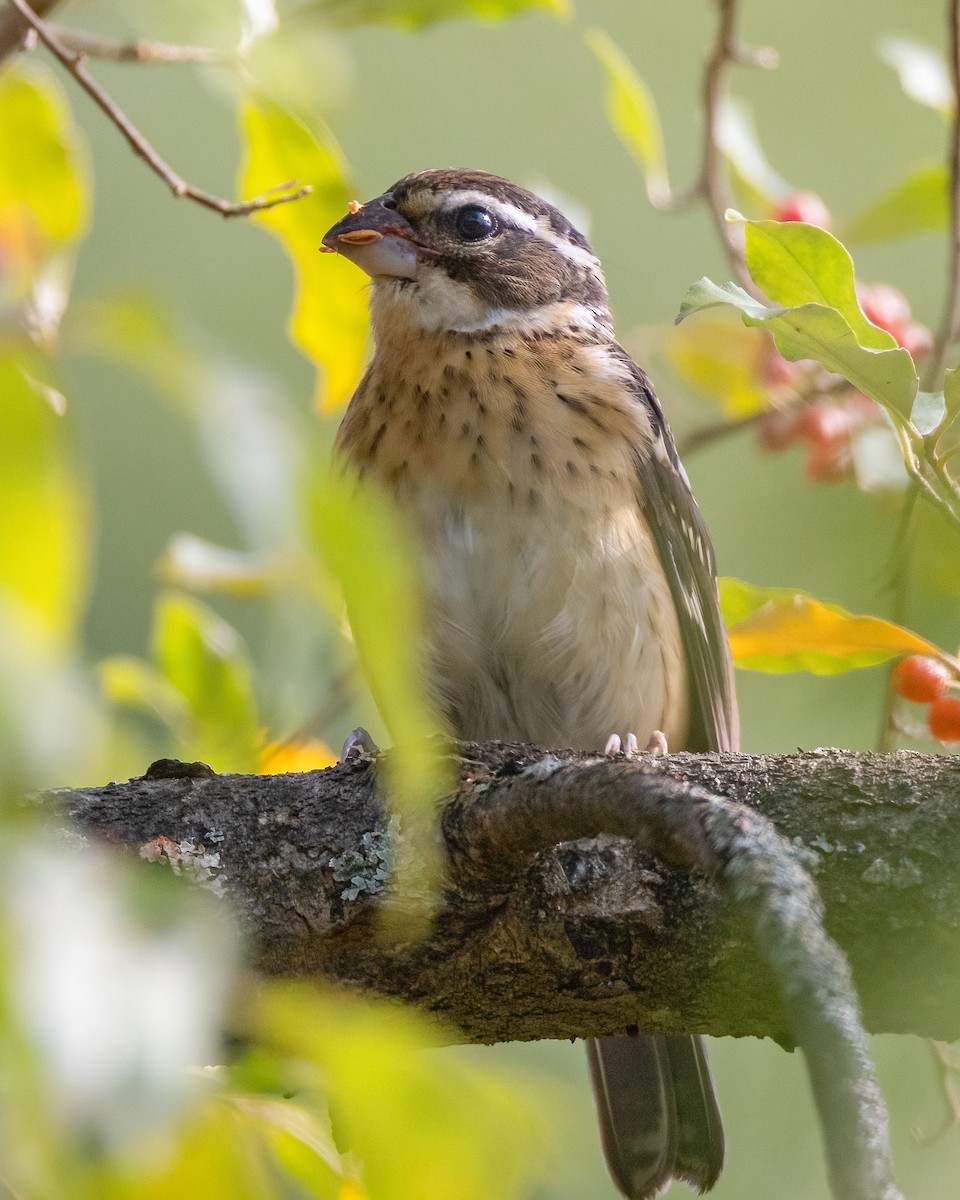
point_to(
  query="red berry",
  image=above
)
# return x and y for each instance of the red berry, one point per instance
(824, 424)
(943, 719)
(828, 462)
(776, 429)
(914, 337)
(920, 678)
(803, 206)
(884, 305)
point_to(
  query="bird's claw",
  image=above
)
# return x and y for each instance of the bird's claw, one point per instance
(629, 747)
(357, 744)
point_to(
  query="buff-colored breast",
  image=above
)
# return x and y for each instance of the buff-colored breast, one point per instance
(548, 617)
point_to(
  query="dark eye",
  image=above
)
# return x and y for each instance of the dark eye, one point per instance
(475, 223)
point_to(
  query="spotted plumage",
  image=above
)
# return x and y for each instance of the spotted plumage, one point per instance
(569, 581)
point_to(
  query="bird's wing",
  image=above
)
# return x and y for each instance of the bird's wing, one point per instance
(687, 558)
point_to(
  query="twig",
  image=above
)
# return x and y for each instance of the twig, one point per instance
(899, 580)
(138, 143)
(140, 51)
(711, 185)
(950, 322)
(13, 27)
(706, 435)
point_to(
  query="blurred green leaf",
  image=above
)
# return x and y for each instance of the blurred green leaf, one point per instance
(816, 331)
(922, 72)
(632, 111)
(779, 629)
(415, 14)
(329, 321)
(372, 559)
(135, 683)
(43, 551)
(43, 188)
(204, 660)
(422, 1125)
(915, 205)
(796, 264)
(756, 185)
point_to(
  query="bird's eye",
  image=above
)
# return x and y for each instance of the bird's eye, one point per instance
(475, 223)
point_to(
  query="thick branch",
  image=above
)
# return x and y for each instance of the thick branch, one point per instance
(580, 938)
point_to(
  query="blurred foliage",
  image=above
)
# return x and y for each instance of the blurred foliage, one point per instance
(114, 983)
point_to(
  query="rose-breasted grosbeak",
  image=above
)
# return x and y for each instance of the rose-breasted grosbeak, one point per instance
(569, 580)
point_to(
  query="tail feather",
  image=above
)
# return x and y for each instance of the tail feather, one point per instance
(658, 1114)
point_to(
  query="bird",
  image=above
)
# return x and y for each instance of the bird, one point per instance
(569, 582)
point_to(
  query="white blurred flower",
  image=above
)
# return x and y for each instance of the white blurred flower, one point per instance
(118, 1002)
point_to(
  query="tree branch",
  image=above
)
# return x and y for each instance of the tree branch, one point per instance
(282, 194)
(583, 939)
(552, 925)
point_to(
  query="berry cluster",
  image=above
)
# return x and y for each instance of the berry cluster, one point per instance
(926, 680)
(814, 407)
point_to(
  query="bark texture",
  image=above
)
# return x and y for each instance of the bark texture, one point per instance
(550, 925)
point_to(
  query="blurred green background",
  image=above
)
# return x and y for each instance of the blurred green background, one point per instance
(524, 99)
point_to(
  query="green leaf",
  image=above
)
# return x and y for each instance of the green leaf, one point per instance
(415, 14)
(915, 205)
(204, 660)
(632, 111)
(796, 264)
(922, 72)
(43, 188)
(372, 558)
(134, 683)
(928, 412)
(815, 331)
(329, 321)
(777, 630)
(422, 1125)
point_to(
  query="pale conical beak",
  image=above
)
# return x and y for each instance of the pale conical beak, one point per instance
(377, 239)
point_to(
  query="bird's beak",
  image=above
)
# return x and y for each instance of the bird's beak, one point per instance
(376, 238)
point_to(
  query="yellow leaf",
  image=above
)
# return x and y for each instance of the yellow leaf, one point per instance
(779, 630)
(304, 754)
(329, 321)
(42, 163)
(721, 359)
(43, 509)
(632, 111)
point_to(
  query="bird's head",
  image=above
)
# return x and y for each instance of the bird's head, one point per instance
(467, 252)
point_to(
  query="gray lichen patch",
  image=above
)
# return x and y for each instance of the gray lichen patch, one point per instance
(368, 869)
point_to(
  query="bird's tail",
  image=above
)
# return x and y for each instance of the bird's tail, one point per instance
(658, 1113)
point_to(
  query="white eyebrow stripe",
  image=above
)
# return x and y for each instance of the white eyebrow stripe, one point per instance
(511, 214)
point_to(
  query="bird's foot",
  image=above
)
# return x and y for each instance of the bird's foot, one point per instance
(629, 747)
(359, 743)
(658, 743)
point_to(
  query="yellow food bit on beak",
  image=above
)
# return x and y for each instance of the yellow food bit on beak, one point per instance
(354, 206)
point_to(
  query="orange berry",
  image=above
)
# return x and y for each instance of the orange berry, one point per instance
(920, 678)
(943, 719)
